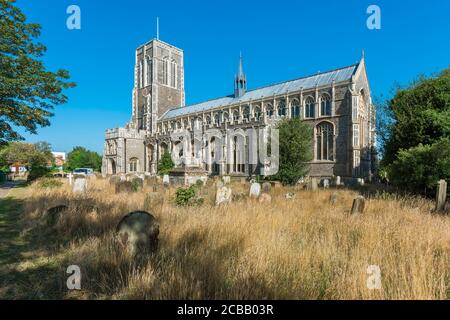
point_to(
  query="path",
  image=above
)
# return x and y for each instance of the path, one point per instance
(7, 186)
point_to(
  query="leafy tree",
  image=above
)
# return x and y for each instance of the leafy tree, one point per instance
(418, 169)
(419, 114)
(295, 149)
(28, 91)
(165, 164)
(80, 157)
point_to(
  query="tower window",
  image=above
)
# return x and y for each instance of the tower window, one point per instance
(173, 74)
(149, 71)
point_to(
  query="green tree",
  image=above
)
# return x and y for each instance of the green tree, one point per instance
(165, 164)
(418, 169)
(28, 155)
(417, 114)
(80, 157)
(28, 91)
(295, 149)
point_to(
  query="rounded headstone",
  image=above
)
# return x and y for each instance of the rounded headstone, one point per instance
(139, 231)
(266, 187)
(53, 214)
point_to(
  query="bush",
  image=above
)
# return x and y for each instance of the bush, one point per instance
(38, 172)
(187, 197)
(419, 169)
(49, 183)
(165, 164)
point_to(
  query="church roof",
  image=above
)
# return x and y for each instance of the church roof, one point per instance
(320, 79)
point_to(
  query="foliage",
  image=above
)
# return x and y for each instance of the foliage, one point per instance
(165, 164)
(137, 184)
(418, 169)
(295, 143)
(187, 197)
(28, 91)
(80, 157)
(49, 183)
(26, 154)
(418, 114)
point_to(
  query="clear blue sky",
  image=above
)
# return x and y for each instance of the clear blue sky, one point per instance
(280, 40)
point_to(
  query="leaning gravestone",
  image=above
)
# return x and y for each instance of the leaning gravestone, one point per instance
(266, 187)
(441, 196)
(154, 202)
(79, 185)
(313, 186)
(255, 190)
(123, 186)
(53, 214)
(139, 231)
(223, 195)
(358, 205)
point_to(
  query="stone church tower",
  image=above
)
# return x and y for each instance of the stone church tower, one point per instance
(158, 87)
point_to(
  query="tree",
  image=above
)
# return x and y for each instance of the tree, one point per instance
(28, 91)
(28, 155)
(419, 114)
(165, 164)
(295, 149)
(80, 157)
(418, 169)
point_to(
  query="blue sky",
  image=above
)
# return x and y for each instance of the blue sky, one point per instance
(280, 40)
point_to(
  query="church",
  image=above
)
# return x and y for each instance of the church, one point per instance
(336, 103)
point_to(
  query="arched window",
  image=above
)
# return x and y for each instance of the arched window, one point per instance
(325, 141)
(192, 123)
(149, 71)
(165, 72)
(185, 124)
(281, 109)
(208, 120)
(246, 113)
(226, 117)
(235, 116)
(178, 125)
(309, 108)
(134, 165)
(269, 110)
(217, 119)
(173, 74)
(257, 112)
(295, 109)
(325, 105)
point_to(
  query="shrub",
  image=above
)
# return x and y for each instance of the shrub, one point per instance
(165, 164)
(187, 197)
(38, 172)
(49, 183)
(418, 169)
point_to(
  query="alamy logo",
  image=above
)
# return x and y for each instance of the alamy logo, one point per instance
(73, 21)
(374, 20)
(74, 280)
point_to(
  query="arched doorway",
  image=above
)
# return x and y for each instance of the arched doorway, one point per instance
(111, 166)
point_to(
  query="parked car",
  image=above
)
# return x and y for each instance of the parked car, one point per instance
(83, 171)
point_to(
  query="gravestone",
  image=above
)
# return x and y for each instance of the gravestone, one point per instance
(166, 180)
(123, 177)
(139, 231)
(313, 184)
(79, 185)
(239, 196)
(70, 176)
(123, 186)
(223, 195)
(266, 187)
(226, 179)
(137, 183)
(53, 214)
(441, 196)
(154, 202)
(265, 198)
(290, 195)
(255, 190)
(219, 184)
(338, 181)
(360, 181)
(358, 205)
(333, 198)
(114, 179)
(277, 184)
(326, 183)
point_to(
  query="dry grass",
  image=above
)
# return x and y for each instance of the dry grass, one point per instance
(303, 248)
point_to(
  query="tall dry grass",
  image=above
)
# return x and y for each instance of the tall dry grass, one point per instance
(303, 248)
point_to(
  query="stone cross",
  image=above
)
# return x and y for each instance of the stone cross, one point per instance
(358, 205)
(441, 195)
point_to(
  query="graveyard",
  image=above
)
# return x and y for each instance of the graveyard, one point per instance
(138, 238)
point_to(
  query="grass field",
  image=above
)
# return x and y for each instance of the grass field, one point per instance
(303, 248)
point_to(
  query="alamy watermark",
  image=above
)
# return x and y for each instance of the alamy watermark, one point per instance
(73, 21)
(74, 280)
